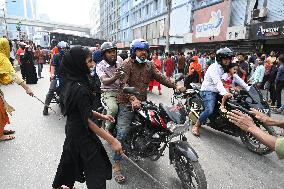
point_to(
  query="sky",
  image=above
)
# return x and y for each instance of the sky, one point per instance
(67, 11)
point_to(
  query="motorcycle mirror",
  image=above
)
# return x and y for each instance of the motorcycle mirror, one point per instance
(130, 90)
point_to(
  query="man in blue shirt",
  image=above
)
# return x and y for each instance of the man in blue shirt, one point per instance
(54, 75)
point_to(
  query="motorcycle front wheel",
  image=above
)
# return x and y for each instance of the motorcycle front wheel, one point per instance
(255, 145)
(189, 172)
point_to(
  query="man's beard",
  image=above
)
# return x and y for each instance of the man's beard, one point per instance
(112, 61)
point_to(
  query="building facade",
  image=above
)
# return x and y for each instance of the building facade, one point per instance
(244, 25)
(110, 20)
(148, 20)
(24, 9)
(95, 19)
(145, 19)
(202, 25)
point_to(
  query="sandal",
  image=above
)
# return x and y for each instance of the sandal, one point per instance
(6, 137)
(118, 177)
(8, 132)
(195, 131)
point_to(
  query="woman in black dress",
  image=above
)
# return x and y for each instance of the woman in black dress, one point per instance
(84, 157)
(28, 63)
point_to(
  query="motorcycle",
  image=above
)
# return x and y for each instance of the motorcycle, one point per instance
(242, 101)
(152, 131)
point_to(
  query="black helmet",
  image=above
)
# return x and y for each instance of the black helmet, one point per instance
(108, 46)
(224, 53)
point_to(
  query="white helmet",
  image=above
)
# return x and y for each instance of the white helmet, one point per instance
(62, 44)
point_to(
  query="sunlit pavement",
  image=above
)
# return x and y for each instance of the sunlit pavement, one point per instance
(30, 161)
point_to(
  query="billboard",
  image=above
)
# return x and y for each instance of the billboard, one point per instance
(210, 23)
(267, 30)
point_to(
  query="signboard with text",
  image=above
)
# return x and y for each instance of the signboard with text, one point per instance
(210, 23)
(236, 33)
(267, 30)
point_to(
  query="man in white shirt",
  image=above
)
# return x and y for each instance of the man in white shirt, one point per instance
(212, 85)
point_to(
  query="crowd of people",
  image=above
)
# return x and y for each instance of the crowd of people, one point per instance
(87, 79)
(264, 70)
(27, 55)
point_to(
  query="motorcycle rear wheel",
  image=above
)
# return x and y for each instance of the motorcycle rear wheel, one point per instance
(255, 145)
(190, 173)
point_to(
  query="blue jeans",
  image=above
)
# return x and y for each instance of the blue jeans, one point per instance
(124, 118)
(209, 101)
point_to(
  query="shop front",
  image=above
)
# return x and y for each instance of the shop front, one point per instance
(270, 36)
(211, 31)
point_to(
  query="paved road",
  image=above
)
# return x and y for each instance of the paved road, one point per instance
(30, 161)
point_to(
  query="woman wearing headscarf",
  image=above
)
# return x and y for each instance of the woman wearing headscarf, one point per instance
(7, 76)
(28, 61)
(84, 157)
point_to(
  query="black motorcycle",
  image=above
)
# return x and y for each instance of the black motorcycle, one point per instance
(152, 131)
(242, 101)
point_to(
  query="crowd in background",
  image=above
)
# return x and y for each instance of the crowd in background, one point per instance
(266, 70)
(263, 69)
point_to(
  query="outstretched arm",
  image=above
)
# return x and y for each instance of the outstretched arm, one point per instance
(269, 121)
(115, 144)
(246, 123)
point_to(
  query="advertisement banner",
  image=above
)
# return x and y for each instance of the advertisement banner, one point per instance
(210, 23)
(267, 30)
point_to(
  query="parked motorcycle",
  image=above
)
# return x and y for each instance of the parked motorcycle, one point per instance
(152, 131)
(242, 101)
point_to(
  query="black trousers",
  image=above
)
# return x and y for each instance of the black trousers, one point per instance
(279, 87)
(272, 91)
(23, 70)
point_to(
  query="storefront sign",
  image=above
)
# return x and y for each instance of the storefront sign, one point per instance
(268, 30)
(210, 23)
(236, 33)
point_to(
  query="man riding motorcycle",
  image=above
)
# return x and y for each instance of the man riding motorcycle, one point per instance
(212, 85)
(138, 72)
(108, 70)
(54, 74)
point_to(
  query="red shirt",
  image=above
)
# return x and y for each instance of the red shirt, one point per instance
(19, 53)
(170, 65)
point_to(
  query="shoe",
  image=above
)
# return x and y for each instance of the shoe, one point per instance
(277, 111)
(6, 138)
(196, 131)
(45, 110)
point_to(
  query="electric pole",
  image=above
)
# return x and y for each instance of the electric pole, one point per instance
(5, 22)
(18, 27)
(169, 7)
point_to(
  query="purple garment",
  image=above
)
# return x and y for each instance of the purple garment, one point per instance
(104, 69)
